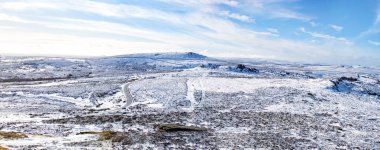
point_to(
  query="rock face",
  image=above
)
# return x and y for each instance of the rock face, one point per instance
(361, 85)
(344, 84)
(245, 69)
(188, 55)
(194, 56)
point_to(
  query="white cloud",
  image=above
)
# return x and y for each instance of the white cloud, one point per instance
(374, 43)
(288, 14)
(274, 8)
(372, 30)
(313, 24)
(273, 30)
(45, 33)
(196, 3)
(336, 27)
(5, 17)
(375, 28)
(21, 42)
(327, 37)
(20, 5)
(231, 3)
(236, 16)
(208, 6)
(87, 6)
(264, 3)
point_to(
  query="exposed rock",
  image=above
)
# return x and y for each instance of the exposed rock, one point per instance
(243, 68)
(354, 85)
(210, 65)
(350, 79)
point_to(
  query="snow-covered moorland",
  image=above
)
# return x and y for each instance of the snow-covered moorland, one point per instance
(186, 101)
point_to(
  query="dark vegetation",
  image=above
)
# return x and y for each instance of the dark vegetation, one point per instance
(3, 148)
(104, 135)
(12, 135)
(177, 127)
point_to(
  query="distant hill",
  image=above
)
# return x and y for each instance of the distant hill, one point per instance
(172, 55)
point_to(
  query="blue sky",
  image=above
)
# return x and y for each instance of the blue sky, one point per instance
(313, 31)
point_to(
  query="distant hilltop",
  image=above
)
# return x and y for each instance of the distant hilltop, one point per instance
(169, 55)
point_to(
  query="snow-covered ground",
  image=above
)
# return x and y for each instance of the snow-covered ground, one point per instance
(252, 105)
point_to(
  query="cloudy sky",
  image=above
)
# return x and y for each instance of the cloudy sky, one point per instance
(315, 31)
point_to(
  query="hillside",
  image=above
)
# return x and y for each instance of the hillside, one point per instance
(186, 101)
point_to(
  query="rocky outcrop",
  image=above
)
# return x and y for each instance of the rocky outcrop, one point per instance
(210, 65)
(244, 69)
(356, 85)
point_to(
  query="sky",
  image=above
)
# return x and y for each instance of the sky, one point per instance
(312, 31)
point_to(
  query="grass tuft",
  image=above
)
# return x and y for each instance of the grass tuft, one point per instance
(12, 135)
(104, 135)
(3, 148)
